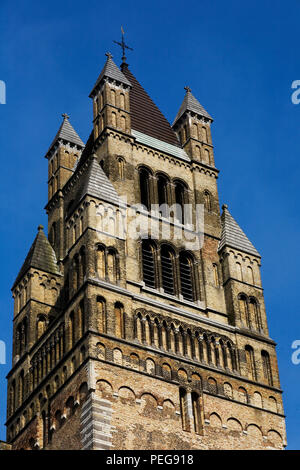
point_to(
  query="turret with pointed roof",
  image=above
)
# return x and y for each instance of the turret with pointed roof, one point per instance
(192, 124)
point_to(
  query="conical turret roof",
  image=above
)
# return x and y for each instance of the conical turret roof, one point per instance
(190, 103)
(110, 70)
(233, 236)
(67, 133)
(40, 256)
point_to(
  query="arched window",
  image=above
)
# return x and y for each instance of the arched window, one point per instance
(162, 190)
(216, 275)
(41, 325)
(114, 119)
(183, 408)
(204, 134)
(149, 264)
(81, 317)
(186, 276)
(121, 167)
(180, 200)
(145, 187)
(53, 234)
(72, 329)
(267, 367)
(196, 412)
(207, 201)
(101, 261)
(119, 320)
(167, 257)
(243, 305)
(113, 97)
(101, 314)
(112, 268)
(254, 314)
(250, 275)
(239, 271)
(122, 100)
(206, 157)
(250, 362)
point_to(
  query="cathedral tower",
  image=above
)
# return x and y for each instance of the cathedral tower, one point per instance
(135, 328)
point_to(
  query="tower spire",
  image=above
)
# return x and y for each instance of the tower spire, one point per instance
(123, 45)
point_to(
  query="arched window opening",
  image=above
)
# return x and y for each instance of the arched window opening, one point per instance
(162, 190)
(119, 320)
(250, 362)
(183, 408)
(180, 201)
(101, 317)
(196, 412)
(186, 276)
(112, 265)
(148, 260)
(101, 261)
(239, 271)
(206, 156)
(255, 314)
(121, 165)
(114, 119)
(216, 275)
(41, 325)
(243, 305)
(145, 188)
(81, 315)
(122, 100)
(204, 134)
(267, 367)
(207, 201)
(168, 269)
(113, 97)
(72, 329)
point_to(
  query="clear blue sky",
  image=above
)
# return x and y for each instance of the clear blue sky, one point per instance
(239, 58)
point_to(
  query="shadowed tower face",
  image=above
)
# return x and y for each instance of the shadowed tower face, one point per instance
(138, 329)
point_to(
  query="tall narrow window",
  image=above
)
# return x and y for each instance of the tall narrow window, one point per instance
(216, 275)
(101, 314)
(81, 315)
(121, 168)
(119, 320)
(113, 97)
(148, 260)
(168, 269)
(254, 314)
(145, 188)
(207, 201)
(122, 101)
(112, 265)
(267, 367)
(162, 189)
(204, 134)
(196, 412)
(183, 408)
(180, 201)
(101, 261)
(72, 329)
(244, 310)
(250, 362)
(239, 271)
(186, 276)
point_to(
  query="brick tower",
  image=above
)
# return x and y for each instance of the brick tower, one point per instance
(152, 337)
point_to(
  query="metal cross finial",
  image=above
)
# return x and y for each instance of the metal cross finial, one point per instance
(108, 55)
(187, 89)
(65, 116)
(123, 45)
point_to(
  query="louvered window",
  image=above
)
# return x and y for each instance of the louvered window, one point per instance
(167, 268)
(186, 277)
(145, 188)
(148, 264)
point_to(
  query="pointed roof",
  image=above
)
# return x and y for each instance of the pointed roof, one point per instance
(233, 236)
(110, 70)
(67, 133)
(190, 103)
(145, 115)
(40, 256)
(94, 182)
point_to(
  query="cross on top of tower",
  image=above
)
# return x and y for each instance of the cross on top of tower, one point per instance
(123, 45)
(65, 116)
(187, 89)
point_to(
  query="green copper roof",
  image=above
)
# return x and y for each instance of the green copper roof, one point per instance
(40, 256)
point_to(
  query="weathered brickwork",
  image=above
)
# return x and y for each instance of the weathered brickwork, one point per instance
(140, 342)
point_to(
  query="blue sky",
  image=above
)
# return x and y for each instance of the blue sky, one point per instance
(239, 58)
